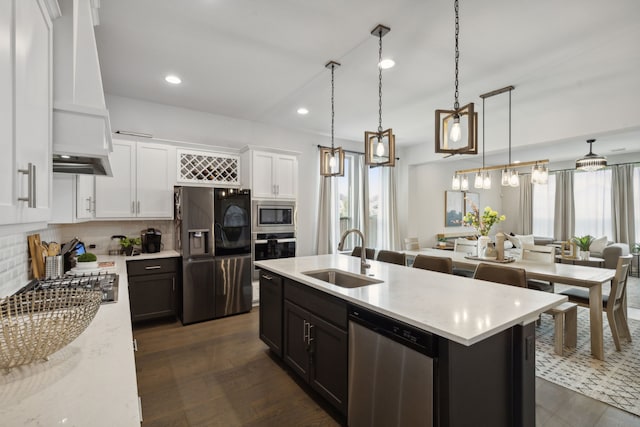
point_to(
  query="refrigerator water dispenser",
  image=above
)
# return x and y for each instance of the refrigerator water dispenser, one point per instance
(199, 242)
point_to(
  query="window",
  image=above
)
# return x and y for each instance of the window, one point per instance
(592, 203)
(543, 208)
(636, 200)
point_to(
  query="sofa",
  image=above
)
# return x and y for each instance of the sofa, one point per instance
(611, 253)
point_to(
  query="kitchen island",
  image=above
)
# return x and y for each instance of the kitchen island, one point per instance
(91, 381)
(484, 333)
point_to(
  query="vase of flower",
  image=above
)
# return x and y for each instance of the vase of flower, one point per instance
(483, 242)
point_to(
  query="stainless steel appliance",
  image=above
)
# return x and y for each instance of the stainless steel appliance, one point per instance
(107, 283)
(391, 369)
(274, 216)
(213, 234)
(274, 245)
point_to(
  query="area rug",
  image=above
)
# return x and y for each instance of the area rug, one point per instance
(615, 381)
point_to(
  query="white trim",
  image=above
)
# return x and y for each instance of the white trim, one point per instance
(53, 8)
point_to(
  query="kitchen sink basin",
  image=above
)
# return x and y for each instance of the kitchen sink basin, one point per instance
(341, 278)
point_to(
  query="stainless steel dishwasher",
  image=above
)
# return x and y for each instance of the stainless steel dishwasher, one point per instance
(391, 372)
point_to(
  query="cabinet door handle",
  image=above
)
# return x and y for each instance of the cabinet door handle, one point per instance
(138, 207)
(133, 207)
(152, 267)
(135, 344)
(304, 331)
(173, 284)
(309, 337)
(31, 185)
(88, 199)
(267, 277)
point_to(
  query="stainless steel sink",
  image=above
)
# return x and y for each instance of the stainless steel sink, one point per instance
(341, 278)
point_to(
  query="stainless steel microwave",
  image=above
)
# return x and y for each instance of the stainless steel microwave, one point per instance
(274, 216)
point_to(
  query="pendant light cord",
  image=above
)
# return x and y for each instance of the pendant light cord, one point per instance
(483, 133)
(509, 127)
(456, 105)
(380, 85)
(333, 67)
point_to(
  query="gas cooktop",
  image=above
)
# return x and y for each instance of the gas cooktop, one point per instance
(107, 283)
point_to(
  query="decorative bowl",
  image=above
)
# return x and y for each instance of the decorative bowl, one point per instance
(36, 324)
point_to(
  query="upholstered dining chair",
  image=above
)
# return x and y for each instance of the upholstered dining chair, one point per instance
(538, 253)
(370, 254)
(613, 304)
(467, 247)
(433, 263)
(500, 274)
(392, 257)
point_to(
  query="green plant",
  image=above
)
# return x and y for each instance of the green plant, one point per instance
(87, 257)
(130, 241)
(583, 242)
(636, 248)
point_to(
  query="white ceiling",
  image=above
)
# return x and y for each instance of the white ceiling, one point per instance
(574, 65)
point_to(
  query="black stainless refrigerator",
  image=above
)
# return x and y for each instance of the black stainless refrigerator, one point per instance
(213, 235)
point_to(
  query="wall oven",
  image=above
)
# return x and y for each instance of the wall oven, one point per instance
(274, 245)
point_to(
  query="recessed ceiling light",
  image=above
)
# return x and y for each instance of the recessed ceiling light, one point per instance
(302, 111)
(174, 80)
(387, 63)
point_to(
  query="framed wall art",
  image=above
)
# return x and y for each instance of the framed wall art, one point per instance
(453, 208)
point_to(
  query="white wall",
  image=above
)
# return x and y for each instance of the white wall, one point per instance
(174, 123)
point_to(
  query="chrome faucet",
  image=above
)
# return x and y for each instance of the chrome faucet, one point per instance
(363, 258)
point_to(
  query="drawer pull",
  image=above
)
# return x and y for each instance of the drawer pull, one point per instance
(153, 267)
(267, 277)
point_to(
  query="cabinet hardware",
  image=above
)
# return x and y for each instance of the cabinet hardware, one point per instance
(173, 284)
(138, 211)
(309, 337)
(304, 331)
(88, 199)
(140, 408)
(135, 344)
(267, 277)
(133, 207)
(152, 267)
(31, 185)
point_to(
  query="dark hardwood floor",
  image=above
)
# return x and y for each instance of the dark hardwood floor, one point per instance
(219, 373)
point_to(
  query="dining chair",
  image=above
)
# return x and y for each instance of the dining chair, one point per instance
(469, 247)
(614, 303)
(433, 263)
(544, 254)
(392, 257)
(500, 274)
(370, 253)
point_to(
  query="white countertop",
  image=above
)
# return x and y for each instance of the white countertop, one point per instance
(90, 382)
(463, 310)
(157, 255)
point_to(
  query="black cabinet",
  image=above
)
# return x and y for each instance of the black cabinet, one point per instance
(316, 341)
(152, 288)
(271, 311)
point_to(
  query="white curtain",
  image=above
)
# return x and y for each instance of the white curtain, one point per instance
(623, 203)
(526, 204)
(326, 229)
(563, 226)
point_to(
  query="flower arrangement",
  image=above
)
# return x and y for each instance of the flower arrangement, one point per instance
(482, 223)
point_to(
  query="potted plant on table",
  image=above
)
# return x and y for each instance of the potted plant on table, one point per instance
(482, 223)
(583, 243)
(128, 243)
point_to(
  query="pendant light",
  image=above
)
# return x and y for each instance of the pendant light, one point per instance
(591, 162)
(457, 129)
(510, 178)
(380, 146)
(332, 159)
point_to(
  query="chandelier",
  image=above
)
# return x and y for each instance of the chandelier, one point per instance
(591, 161)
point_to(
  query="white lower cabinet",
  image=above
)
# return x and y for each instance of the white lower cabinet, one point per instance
(141, 186)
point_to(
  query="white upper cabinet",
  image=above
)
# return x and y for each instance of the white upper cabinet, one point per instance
(271, 175)
(25, 111)
(72, 198)
(141, 186)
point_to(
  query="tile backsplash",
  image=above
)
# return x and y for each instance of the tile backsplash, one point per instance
(99, 233)
(14, 258)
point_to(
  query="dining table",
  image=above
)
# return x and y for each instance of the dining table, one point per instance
(591, 278)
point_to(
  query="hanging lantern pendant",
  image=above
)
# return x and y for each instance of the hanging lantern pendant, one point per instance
(380, 146)
(332, 159)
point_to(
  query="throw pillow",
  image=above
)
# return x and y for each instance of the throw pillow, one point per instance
(514, 240)
(598, 245)
(526, 239)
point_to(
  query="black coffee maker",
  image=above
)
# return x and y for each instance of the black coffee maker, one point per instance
(151, 240)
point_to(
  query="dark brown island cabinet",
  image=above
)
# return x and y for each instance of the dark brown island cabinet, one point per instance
(491, 382)
(153, 286)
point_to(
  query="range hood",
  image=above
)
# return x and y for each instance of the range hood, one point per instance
(81, 127)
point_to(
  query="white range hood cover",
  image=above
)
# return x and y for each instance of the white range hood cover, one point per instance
(81, 127)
